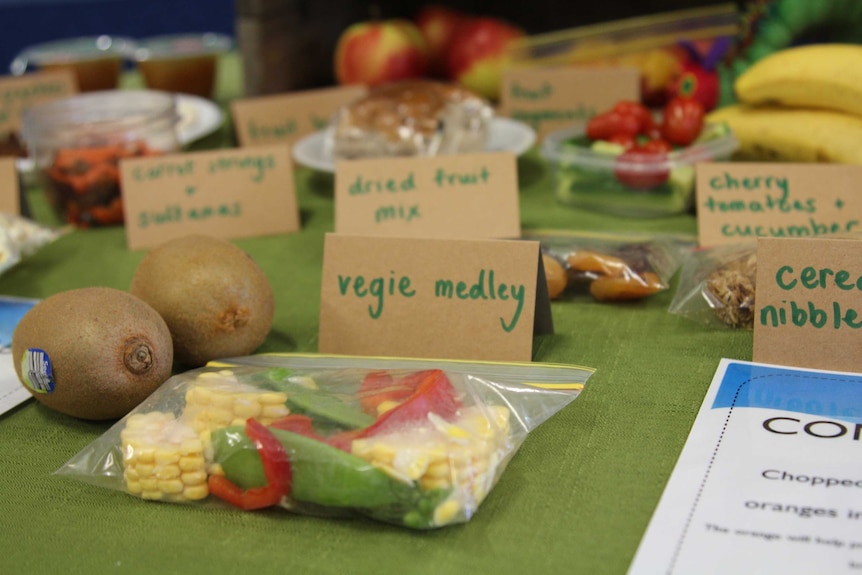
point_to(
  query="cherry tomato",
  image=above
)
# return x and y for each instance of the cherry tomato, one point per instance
(627, 141)
(656, 146)
(641, 170)
(639, 111)
(607, 124)
(682, 121)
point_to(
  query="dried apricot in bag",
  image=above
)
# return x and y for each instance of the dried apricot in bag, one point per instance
(555, 276)
(626, 287)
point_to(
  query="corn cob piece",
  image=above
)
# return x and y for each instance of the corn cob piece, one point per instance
(462, 455)
(218, 399)
(163, 458)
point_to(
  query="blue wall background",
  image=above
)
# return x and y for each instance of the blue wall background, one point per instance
(27, 22)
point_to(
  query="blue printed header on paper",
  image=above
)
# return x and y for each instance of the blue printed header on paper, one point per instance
(838, 396)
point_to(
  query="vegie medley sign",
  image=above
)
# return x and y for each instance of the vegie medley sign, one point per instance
(432, 297)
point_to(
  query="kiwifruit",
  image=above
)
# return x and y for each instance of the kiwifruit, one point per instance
(93, 353)
(216, 300)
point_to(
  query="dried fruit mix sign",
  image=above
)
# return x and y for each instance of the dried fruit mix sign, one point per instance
(740, 202)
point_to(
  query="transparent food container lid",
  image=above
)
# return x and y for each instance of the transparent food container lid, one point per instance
(96, 118)
(611, 39)
(72, 50)
(181, 46)
(555, 149)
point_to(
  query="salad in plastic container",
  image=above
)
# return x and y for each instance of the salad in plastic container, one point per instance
(416, 443)
(630, 161)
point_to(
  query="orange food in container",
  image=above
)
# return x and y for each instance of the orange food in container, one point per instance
(77, 144)
(96, 61)
(185, 63)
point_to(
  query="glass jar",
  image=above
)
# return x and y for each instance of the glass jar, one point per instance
(76, 145)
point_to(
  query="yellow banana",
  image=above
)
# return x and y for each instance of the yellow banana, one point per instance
(793, 134)
(811, 76)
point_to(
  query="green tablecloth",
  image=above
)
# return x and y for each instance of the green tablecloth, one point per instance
(575, 499)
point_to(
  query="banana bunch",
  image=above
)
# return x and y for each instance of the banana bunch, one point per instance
(800, 104)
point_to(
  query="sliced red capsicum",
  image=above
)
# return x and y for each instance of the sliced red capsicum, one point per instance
(378, 387)
(276, 469)
(433, 393)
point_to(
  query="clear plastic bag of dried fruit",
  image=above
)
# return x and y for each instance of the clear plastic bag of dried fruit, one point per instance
(716, 286)
(411, 442)
(609, 268)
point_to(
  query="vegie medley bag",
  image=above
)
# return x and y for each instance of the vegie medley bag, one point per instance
(418, 443)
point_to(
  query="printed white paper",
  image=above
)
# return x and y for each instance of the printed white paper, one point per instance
(769, 479)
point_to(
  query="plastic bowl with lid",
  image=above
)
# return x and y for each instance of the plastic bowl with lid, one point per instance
(96, 61)
(77, 143)
(186, 63)
(598, 177)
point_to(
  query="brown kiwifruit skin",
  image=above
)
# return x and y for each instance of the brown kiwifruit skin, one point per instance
(216, 300)
(108, 350)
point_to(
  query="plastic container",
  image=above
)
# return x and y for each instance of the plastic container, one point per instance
(589, 179)
(76, 144)
(186, 63)
(96, 61)
(652, 44)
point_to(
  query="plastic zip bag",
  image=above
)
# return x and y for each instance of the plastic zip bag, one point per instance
(610, 267)
(21, 237)
(417, 443)
(717, 286)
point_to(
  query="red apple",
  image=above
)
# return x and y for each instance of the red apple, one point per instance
(438, 25)
(478, 54)
(373, 53)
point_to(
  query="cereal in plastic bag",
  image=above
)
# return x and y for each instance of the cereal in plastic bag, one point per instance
(717, 286)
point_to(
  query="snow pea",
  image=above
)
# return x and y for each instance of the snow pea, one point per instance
(317, 403)
(322, 474)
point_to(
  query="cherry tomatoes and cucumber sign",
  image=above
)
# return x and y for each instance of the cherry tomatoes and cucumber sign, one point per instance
(479, 299)
(743, 201)
(808, 308)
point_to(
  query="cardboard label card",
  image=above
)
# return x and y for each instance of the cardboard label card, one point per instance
(464, 195)
(224, 193)
(550, 98)
(10, 192)
(284, 118)
(740, 201)
(808, 307)
(17, 93)
(432, 298)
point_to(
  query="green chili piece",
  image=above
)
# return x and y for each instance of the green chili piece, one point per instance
(322, 474)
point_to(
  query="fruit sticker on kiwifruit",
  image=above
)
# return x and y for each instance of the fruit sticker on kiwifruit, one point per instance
(36, 371)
